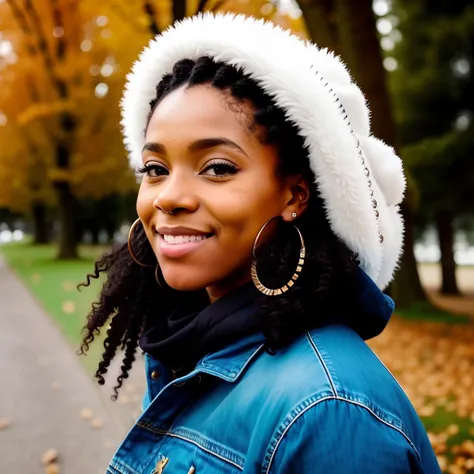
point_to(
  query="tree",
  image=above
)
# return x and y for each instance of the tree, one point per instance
(320, 22)
(435, 103)
(68, 110)
(354, 35)
(71, 62)
(445, 174)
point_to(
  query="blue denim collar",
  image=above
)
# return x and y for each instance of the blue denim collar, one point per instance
(371, 315)
(229, 363)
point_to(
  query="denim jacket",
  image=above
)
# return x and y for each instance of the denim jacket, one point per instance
(325, 404)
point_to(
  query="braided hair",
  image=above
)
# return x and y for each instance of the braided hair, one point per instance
(130, 299)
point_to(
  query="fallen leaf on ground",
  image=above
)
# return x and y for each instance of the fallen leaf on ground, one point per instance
(130, 388)
(36, 278)
(453, 430)
(68, 286)
(123, 399)
(4, 423)
(49, 457)
(109, 444)
(434, 364)
(469, 464)
(52, 468)
(455, 469)
(68, 307)
(86, 414)
(443, 462)
(97, 423)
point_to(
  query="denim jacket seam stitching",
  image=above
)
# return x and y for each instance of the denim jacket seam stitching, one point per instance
(232, 374)
(323, 363)
(276, 445)
(220, 449)
(151, 428)
(387, 369)
(222, 458)
(388, 421)
(120, 465)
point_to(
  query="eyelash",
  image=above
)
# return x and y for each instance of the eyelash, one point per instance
(229, 167)
(148, 168)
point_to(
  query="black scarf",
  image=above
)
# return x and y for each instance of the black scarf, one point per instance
(188, 337)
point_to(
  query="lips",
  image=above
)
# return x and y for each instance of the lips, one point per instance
(176, 242)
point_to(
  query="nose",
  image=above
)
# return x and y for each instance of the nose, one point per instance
(176, 195)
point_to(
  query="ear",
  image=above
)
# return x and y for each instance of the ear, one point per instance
(298, 191)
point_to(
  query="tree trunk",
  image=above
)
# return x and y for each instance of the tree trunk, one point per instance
(179, 9)
(406, 289)
(40, 225)
(95, 231)
(150, 13)
(321, 23)
(67, 208)
(444, 225)
(361, 51)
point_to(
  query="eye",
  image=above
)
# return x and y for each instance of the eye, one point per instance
(220, 169)
(153, 170)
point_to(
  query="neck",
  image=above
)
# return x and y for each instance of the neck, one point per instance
(220, 289)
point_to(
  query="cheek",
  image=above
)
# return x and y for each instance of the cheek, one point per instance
(145, 207)
(243, 212)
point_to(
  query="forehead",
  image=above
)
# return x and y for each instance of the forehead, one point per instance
(200, 111)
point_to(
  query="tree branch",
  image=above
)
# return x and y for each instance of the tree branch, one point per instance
(23, 24)
(42, 47)
(149, 10)
(321, 22)
(58, 21)
(218, 5)
(179, 9)
(201, 5)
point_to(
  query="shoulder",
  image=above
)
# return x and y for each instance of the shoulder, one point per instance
(330, 381)
(330, 361)
(339, 436)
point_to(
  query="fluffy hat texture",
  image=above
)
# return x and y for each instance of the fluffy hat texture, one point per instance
(360, 178)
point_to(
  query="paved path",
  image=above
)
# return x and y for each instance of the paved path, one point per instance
(44, 388)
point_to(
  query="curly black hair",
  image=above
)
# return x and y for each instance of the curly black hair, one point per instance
(130, 295)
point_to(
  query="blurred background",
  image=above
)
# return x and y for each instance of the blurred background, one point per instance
(66, 194)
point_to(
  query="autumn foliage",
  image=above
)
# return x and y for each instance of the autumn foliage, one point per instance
(62, 71)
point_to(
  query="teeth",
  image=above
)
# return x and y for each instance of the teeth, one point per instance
(182, 239)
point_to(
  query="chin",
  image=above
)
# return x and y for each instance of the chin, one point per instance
(186, 281)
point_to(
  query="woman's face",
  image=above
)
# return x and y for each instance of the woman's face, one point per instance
(220, 183)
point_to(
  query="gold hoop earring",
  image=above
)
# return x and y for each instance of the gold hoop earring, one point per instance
(130, 251)
(256, 280)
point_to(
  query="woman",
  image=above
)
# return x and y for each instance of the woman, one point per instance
(268, 225)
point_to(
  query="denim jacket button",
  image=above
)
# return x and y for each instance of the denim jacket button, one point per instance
(155, 375)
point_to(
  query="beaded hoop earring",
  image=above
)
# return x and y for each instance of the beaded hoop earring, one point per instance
(256, 280)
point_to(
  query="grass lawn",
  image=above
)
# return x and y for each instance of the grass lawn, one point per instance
(53, 282)
(426, 312)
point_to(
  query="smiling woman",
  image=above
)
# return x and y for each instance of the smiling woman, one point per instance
(207, 174)
(266, 230)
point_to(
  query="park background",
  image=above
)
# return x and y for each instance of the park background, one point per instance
(67, 193)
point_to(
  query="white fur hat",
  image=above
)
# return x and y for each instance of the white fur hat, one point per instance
(360, 178)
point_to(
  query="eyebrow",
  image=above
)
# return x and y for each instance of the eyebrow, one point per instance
(198, 145)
